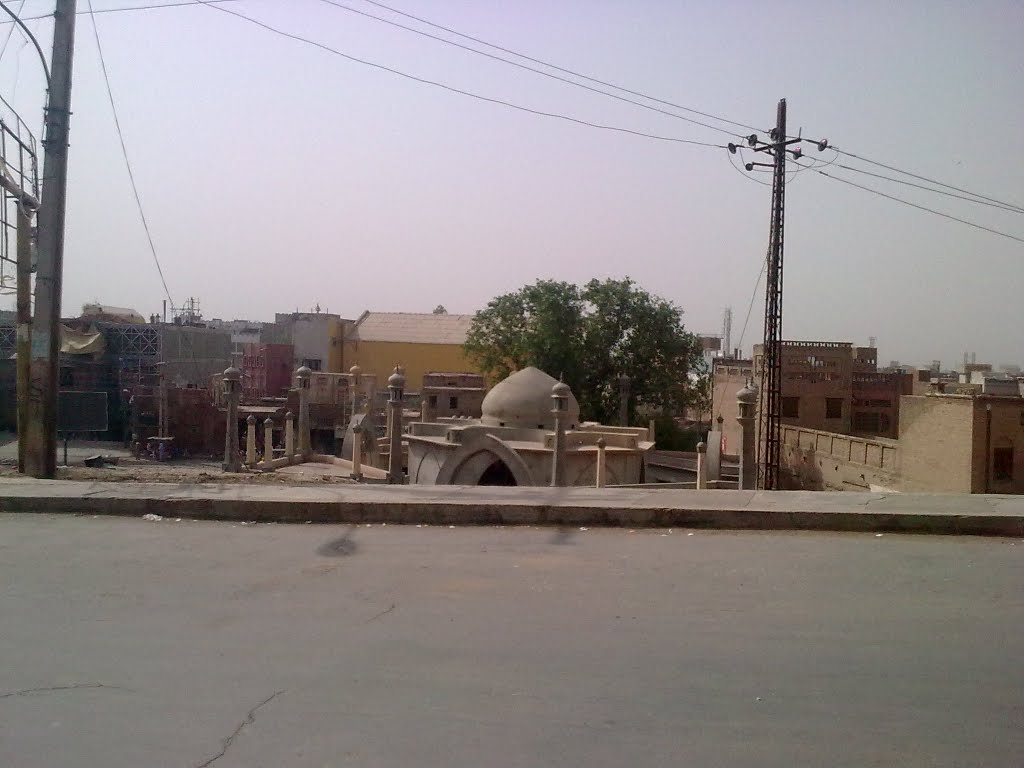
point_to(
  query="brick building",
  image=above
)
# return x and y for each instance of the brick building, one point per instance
(827, 386)
(266, 370)
(949, 443)
(962, 443)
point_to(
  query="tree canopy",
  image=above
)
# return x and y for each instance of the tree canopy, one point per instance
(591, 335)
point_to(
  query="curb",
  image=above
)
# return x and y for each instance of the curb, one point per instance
(434, 512)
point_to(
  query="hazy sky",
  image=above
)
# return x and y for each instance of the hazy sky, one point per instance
(276, 176)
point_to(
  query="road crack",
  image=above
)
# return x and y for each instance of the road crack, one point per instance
(382, 614)
(58, 688)
(250, 718)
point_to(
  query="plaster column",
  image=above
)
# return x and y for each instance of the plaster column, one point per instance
(268, 443)
(624, 383)
(250, 440)
(232, 382)
(560, 404)
(396, 388)
(602, 464)
(702, 467)
(289, 436)
(357, 452)
(305, 447)
(356, 373)
(426, 410)
(746, 399)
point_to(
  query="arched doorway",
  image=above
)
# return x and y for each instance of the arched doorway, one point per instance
(498, 473)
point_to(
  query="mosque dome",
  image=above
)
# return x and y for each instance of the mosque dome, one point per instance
(523, 400)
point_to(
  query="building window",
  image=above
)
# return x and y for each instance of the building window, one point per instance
(433, 401)
(833, 407)
(868, 422)
(1002, 464)
(313, 365)
(791, 407)
(453, 403)
(67, 377)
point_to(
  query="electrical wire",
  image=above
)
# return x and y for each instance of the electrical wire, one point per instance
(129, 8)
(744, 175)
(1012, 209)
(925, 178)
(915, 205)
(496, 47)
(32, 38)
(453, 89)
(124, 152)
(753, 298)
(10, 31)
(528, 68)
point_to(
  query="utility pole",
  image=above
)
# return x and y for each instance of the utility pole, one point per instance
(769, 424)
(24, 316)
(41, 448)
(771, 362)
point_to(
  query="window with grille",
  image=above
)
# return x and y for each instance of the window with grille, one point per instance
(1002, 464)
(833, 407)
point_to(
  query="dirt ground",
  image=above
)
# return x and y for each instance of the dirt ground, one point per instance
(129, 470)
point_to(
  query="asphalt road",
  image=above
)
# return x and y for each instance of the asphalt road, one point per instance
(133, 643)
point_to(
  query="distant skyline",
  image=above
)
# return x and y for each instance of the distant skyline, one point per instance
(276, 175)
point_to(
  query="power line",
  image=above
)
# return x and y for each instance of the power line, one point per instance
(528, 68)
(558, 68)
(10, 31)
(925, 178)
(124, 152)
(28, 33)
(1012, 209)
(914, 205)
(453, 89)
(129, 8)
(753, 298)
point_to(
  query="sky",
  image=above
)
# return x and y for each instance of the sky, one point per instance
(276, 176)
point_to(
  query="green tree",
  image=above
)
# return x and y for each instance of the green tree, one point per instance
(591, 336)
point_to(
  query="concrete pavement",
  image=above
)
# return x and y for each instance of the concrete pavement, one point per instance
(451, 505)
(131, 643)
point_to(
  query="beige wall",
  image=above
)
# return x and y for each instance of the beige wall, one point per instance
(937, 443)
(813, 460)
(729, 378)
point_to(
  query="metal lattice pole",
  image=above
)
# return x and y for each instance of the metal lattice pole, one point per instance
(769, 424)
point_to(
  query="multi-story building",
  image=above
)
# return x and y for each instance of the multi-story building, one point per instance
(318, 339)
(266, 370)
(827, 386)
(454, 394)
(419, 343)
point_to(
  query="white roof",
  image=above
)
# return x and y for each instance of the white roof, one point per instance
(131, 315)
(412, 327)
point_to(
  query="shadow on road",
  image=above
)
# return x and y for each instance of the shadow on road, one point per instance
(343, 546)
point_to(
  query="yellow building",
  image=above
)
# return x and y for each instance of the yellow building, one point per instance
(420, 343)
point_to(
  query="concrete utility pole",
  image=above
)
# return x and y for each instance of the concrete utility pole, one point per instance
(41, 435)
(24, 307)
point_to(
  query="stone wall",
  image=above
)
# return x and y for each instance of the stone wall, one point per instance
(813, 460)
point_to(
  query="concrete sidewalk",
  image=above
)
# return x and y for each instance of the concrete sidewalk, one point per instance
(453, 505)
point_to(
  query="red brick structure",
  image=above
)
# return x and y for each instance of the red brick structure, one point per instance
(266, 371)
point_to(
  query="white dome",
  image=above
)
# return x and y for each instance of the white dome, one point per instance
(523, 400)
